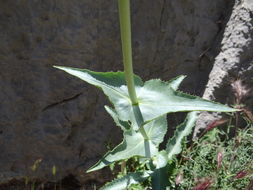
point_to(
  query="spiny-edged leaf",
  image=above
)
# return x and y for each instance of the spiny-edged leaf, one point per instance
(156, 99)
(132, 145)
(174, 144)
(127, 180)
(157, 129)
(160, 179)
(112, 83)
(135, 145)
(124, 125)
(100, 79)
(175, 82)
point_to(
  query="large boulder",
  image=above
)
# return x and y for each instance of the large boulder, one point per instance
(53, 119)
(231, 79)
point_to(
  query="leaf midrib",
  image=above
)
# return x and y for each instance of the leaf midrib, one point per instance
(112, 88)
(152, 105)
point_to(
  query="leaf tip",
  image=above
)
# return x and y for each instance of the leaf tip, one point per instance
(229, 109)
(182, 76)
(89, 170)
(92, 169)
(59, 67)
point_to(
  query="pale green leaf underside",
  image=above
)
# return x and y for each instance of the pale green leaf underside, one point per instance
(124, 125)
(132, 145)
(112, 83)
(135, 145)
(127, 181)
(155, 97)
(174, 144)
(175, 82)
(100, 79)
(161, 159)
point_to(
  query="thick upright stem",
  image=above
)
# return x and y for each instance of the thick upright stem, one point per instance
(125, 28)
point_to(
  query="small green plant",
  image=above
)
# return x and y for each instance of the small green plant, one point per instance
(140, 110)
(216, 161)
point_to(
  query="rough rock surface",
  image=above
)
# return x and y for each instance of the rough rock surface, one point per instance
(46, 114)
(231, 79)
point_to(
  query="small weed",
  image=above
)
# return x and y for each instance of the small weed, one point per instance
(220, 163)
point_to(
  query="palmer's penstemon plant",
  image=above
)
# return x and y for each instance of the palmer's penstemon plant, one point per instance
(140, 110)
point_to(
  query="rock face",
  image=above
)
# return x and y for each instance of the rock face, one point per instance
(50, 116)
(230, 80)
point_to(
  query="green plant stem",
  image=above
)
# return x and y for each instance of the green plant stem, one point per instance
(125, 28)
(140, 121)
